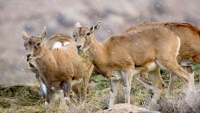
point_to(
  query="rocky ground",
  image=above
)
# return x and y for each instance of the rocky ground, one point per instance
(127, 108)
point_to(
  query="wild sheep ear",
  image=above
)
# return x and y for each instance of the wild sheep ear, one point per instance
(43, 35)
(77, 25)
(95, 27)
(24, 35)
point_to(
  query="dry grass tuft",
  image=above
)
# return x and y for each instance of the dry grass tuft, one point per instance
(21, 98)
(173, 104)
(193, 99)
(25, 97)
(181, 101)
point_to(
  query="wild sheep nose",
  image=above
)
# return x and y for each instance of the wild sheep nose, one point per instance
(28, 55)
(78, 47)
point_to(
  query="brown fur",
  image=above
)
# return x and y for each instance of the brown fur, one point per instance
(87, 64)
(124, 52)
(111, 53)
(62, 38)
(190, 42)
(189, 36)
(58, 68)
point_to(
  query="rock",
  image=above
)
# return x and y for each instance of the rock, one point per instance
(126, 108)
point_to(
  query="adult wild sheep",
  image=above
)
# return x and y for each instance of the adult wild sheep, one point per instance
(190, 43)
(118, 57)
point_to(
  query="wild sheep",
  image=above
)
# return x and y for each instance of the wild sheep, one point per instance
(56, 41)
(189, 53)
(118, 57)
(60, 68)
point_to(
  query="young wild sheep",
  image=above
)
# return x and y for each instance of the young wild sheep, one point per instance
(60, 68)
(62, 40)
(56, 41)
(118, 57)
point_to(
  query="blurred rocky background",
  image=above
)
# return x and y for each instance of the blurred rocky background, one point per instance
(59, 16)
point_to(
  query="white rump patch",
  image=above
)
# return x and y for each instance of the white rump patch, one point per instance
(57, 45)
(66, 44)
(60, 45)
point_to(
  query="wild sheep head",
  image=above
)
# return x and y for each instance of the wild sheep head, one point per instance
(83, 35)
(33, 44)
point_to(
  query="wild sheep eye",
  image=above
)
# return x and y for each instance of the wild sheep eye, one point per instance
(74, 36)
(88, 34)
(38, 44)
